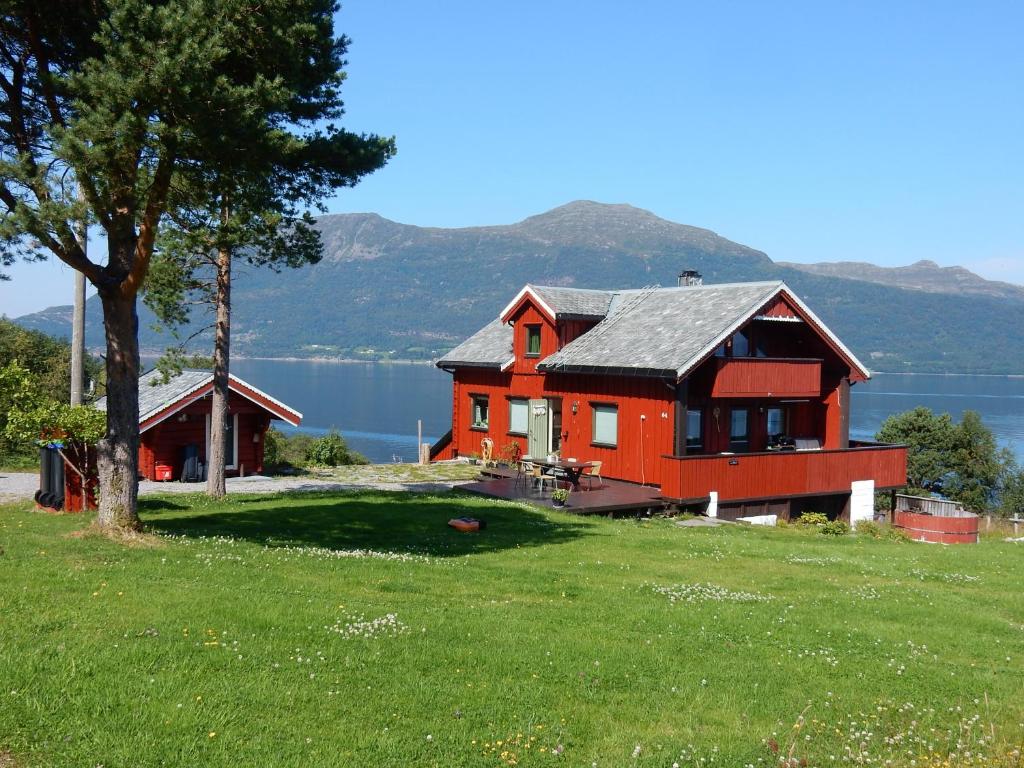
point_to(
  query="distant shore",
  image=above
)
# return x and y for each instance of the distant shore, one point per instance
(339, 360)
(397, 361)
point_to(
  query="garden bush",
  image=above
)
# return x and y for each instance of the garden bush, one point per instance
(283, 451)
(896, 534)
(331, 450)
(869, 528)
(835, 528)
(811, 518)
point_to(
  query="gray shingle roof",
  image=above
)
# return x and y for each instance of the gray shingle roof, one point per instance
(648, 331)
(662, 331)
(154, 398)
(490, 347)
(575, 302)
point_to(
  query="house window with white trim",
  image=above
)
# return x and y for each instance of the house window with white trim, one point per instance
(605, 425)
(518, 416)
(533, 341)
(480, 412)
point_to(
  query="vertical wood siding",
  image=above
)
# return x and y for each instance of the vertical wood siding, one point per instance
(165, 443)
(790, 473)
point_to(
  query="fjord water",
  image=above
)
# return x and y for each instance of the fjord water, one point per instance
(376, 405)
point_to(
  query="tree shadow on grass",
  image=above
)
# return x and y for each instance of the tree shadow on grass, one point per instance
(155, 506)
(378, 520)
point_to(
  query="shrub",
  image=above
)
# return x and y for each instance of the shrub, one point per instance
(869, 528)
(835, 528)
(893, 533)
(331, 450)
(300, 450)
(811, 518)
(781, 522)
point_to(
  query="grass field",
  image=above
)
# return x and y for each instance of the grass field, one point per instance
(358, 630)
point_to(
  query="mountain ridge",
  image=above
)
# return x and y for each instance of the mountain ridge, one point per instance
(387, 290)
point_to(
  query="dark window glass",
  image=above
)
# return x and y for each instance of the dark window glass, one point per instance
(740, 344)
(533, 340)
(694, 431)
(776, 423)
(739, 429)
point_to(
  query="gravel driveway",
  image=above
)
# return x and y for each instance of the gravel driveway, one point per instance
(17, 486)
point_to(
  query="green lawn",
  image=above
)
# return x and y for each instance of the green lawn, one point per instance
(358, 630)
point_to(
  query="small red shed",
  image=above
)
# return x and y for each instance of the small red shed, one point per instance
(176, 414)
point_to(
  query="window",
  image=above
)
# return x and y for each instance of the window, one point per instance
(740, 344)
(480, 411)
(518, 416)
(605, 428)
(776, 424)
(739, 430)
(230, 441)
(694, 431)
(533, 341)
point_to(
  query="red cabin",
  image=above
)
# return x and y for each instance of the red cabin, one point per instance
(177, 414)
(733, 398)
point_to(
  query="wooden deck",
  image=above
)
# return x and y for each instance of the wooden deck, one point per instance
(614, 496)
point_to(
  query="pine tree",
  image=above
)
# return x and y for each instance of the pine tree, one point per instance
(130, 99)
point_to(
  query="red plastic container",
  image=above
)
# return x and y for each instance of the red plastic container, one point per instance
(164, 472)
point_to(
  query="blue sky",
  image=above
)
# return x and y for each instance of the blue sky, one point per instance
(881, 132)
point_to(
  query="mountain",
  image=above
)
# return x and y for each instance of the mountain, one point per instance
(922, 275)
(390, 290)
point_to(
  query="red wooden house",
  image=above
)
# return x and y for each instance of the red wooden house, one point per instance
(732, 398)
(176, 414)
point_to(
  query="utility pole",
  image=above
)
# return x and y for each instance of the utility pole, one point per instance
(78, 318)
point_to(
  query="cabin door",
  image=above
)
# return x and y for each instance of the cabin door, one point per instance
(538, 436)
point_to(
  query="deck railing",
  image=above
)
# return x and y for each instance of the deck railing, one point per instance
(776, 474)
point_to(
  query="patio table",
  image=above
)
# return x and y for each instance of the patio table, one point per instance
(573, 470)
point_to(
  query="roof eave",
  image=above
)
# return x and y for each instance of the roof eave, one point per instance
(609, 370)
(468, 364)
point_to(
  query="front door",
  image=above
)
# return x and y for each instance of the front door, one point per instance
(537, 437)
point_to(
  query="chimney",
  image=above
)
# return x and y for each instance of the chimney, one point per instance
(690, 277)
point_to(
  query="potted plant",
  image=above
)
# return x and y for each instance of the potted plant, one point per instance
(560, 496)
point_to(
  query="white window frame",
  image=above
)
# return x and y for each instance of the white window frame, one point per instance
(595, 408)
(234, 435)
(525, 403)
(473, 424)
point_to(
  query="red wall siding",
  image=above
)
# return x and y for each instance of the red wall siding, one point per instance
(165, 443)
(765, 377)
(570, 330)
(640, 441)
(530, 315)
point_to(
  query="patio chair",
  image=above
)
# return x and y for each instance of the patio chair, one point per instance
(541, 477)
(524, 469)
(591, 473)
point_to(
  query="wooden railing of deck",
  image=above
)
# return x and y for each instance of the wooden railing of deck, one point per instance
(775, 474)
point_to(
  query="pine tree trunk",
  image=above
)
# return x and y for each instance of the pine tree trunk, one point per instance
(221, 366)
(117, 454)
